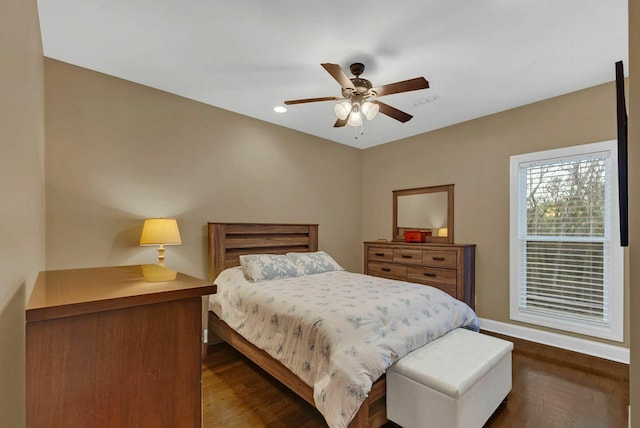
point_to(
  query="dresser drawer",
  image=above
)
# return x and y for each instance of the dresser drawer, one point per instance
(387, 270)
(407, 255)
(444, 279)
(380, 253)
(448, 267)
(440, 258)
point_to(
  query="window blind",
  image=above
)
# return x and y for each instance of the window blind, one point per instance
(564, 237)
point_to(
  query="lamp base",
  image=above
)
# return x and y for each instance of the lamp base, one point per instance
(161, 255)
(156, 273)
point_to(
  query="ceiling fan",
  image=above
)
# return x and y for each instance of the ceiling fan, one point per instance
(360, 96)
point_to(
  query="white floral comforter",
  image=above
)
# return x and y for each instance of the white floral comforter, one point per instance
(338, 331)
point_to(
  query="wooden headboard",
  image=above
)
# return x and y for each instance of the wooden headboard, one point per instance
(228, 241)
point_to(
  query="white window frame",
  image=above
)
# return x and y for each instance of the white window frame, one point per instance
(614, 329)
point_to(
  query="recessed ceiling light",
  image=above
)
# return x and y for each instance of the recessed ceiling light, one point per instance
(279, 109)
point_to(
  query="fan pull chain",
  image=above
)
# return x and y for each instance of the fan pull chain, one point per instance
(355, 131)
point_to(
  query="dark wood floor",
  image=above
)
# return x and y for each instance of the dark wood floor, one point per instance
(550, 389)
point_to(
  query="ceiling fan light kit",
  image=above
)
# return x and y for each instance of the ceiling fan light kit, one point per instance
(359, 96)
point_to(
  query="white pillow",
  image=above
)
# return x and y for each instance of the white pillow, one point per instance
(312, 263)
(266, 267)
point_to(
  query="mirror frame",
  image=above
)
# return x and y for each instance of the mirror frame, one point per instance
(398, 232)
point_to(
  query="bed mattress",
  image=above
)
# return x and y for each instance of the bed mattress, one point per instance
(337, 331)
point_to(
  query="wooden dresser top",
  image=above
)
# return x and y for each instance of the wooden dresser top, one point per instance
(416, 244)
(63, 293)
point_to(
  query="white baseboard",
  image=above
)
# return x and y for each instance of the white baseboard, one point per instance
(596, 349)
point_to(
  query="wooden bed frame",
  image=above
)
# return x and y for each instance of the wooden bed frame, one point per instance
(226, 242)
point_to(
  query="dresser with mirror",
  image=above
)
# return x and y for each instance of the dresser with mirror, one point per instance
(435, 260)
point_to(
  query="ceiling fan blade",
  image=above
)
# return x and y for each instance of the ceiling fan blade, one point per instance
(338, 73)
(393, 112)
(340, 123)
(404, 86)
(310, 100)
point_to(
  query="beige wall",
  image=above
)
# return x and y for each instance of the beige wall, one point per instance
(118, 152)
(475, 157)
(633, 103)
(21, 190)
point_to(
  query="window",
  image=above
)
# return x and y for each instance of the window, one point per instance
(566, 260)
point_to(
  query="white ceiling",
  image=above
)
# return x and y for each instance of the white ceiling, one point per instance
(480, 57)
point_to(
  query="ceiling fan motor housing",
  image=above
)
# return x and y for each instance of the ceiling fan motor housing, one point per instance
(362, 86)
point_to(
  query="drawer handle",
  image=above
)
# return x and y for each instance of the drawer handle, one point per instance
(407, 256)
(430, 275)
(438, 259)
(385, 269)
(380, 254)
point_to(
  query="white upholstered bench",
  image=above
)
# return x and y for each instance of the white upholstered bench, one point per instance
(455, 381)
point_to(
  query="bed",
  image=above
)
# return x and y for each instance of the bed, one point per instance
(226, 243)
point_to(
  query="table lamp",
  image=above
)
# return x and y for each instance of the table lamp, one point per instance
(161, 232)
(443, 231)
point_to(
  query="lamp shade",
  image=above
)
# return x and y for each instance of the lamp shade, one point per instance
(355, 119)
(370, 109)
(342, 110)
(160, 231)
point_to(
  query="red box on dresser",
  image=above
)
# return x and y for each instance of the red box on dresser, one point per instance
(416, 235)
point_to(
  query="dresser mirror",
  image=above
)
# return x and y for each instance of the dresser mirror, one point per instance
(427, 209)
